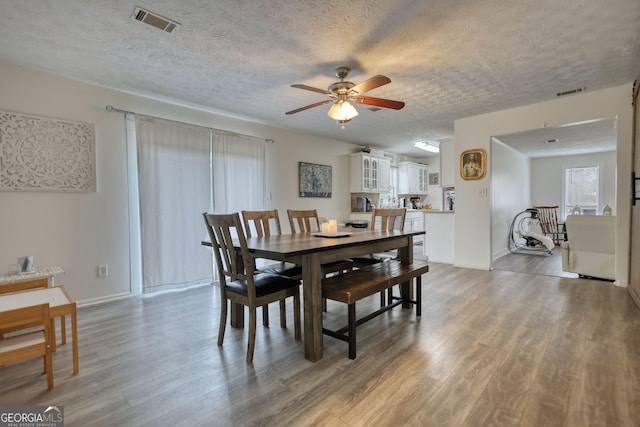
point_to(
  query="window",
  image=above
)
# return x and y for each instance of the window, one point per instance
(582, 190)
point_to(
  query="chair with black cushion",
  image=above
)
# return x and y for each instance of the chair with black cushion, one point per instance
(266, 223)
(548, 218)
(240, 283)
(307, 221)
(389, 219)
(28, 345)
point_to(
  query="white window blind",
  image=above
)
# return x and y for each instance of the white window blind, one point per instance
(185, 170)
(174, 190)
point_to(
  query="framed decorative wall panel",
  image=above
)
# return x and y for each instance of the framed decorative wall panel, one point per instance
(46, 154)
(314, 180)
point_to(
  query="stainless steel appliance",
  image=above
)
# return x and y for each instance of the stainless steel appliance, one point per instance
(364, 204)
(448, 198)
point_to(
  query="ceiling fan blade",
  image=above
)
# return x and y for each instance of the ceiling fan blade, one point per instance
(372, 83)
(379, 102)
(317, 104)
(312, 89)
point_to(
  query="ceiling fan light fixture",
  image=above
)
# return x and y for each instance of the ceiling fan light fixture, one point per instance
(342, 111)
(430, 146)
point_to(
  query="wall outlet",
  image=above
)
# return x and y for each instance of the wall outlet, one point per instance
(103, 271)
(482, 192)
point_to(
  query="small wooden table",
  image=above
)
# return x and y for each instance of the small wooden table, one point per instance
(60, 304)
(42, 277)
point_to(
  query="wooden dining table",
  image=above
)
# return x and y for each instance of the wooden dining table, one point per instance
(311, 251)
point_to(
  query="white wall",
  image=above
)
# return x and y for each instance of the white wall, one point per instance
(80, 231)
(510, 193)
(473, 213)
(547, 178)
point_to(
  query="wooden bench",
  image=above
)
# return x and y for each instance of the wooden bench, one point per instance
(355, 285)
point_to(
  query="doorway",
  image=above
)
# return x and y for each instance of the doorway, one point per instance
(528, 170)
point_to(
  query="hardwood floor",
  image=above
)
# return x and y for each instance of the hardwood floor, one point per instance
(492, 348)
(534, 264)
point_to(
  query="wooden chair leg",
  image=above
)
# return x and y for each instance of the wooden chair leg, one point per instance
(223, 321)
(252, 335)
(283, 314)
(48, 368)
(265, 315)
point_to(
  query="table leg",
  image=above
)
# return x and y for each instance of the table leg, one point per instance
(63, 329)
(312, 297)
(405, 254)
(74, 337)
(54, 344)
(237, 315)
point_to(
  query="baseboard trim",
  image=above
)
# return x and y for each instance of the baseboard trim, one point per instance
(102, 300)
(473, 267)
(634, 296)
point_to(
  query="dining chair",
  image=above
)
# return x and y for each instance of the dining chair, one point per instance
(240, 283)
(261, 224)
(25, 346)
(548, 219)
(307, 221)
(389, 219)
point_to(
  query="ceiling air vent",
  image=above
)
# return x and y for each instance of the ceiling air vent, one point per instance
(153, 19)
(551, 141)
(571, 92)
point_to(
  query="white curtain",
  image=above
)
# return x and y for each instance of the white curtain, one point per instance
(238, 172)
(175, 189)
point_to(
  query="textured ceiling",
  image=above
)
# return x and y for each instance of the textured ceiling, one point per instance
(447, 59)
(594, 136)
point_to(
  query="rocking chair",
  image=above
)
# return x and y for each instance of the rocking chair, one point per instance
(548, 218)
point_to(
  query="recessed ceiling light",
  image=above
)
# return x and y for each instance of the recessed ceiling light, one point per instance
(428, 145)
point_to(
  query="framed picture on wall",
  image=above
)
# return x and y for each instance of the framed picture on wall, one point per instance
(314, 180)
(434, 179)
(473, 164)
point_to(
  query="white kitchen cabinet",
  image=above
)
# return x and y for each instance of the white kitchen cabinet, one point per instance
(414, 221)
(370, 174)
(413, 178)
(384, 175)
(447, 164)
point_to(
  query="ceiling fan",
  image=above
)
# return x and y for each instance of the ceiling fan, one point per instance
(340, 93)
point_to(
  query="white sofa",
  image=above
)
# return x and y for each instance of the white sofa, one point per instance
(590, 249)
